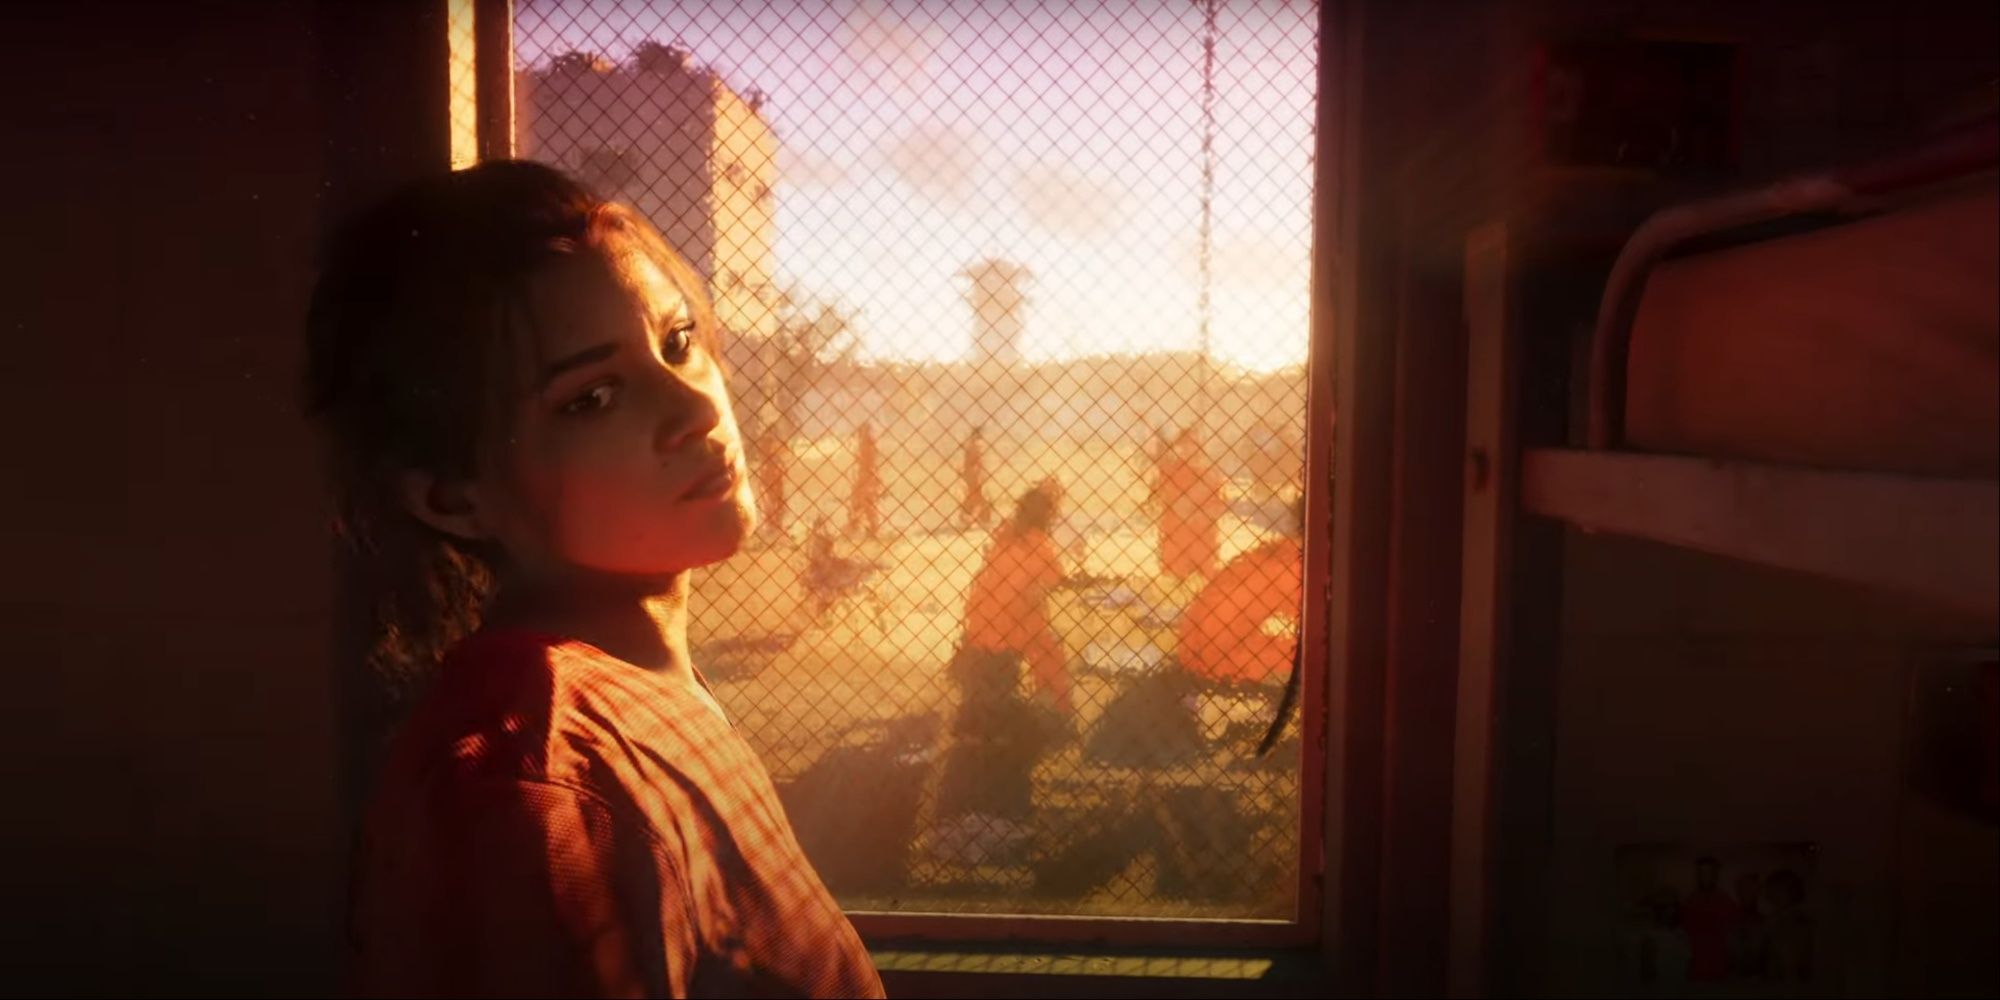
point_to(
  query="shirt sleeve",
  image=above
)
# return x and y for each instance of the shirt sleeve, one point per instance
(530, 889)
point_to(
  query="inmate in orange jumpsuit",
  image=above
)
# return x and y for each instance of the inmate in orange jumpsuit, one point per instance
(1241, 627)
(1191, 503)
(1007, 610)
(774, 458)
(863, 513)
(974, 507)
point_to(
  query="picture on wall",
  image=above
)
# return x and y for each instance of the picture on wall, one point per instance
(1723, 919)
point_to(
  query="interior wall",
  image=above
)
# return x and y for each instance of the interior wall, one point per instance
(166, 602)
(1712, 704)
(1705, 702)
(1841, 78)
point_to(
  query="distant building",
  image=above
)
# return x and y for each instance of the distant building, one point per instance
(997, 292)
(673, 140)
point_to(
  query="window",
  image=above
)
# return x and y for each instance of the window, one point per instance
(1016, 304)
(461, 44)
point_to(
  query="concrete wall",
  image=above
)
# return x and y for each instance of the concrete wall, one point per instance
(166, 603)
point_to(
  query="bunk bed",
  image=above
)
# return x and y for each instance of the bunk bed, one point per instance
(1807, 376)
(1804, 376)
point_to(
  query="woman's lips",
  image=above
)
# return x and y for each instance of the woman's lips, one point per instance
(715, 485)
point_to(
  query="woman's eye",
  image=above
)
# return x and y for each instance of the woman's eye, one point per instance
(597, 397)
(677, 344)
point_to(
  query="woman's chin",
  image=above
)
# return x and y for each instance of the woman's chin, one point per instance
(725, 530)
(709, 538)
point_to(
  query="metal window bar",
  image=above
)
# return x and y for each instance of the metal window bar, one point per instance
(1115, 200)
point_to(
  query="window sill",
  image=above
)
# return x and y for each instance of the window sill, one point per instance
(910, 969)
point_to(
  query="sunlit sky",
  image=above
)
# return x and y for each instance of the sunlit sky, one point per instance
(918, 137)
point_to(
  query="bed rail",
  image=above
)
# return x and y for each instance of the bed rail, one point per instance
(1969, 151)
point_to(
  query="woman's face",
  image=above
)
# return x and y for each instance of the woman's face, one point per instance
(623, 457)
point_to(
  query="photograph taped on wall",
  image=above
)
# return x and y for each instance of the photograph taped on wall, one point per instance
(1716, 920)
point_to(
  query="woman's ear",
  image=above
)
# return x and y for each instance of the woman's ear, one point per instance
(449, 506)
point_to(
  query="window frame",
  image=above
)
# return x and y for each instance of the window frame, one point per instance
(1346, 374)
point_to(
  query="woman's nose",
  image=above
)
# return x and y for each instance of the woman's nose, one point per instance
(691, 411)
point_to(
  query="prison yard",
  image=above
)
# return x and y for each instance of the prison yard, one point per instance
(1150, 800)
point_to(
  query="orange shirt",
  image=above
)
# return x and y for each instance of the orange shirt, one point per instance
(1191, 491)
(1243, 624)
(1191, 508)
(554, 821)
(1008, 606)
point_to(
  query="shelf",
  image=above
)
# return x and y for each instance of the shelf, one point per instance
(1936, 539)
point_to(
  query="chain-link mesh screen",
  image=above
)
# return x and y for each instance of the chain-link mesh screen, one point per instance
(460, 45)
(1015, 304)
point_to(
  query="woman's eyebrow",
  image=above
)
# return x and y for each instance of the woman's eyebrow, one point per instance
(587, 356)
(667, 319)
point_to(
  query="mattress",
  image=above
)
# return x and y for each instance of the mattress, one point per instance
(1873, 344)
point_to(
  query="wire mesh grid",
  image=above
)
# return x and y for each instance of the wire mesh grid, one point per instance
(461, 71)
(1014, 299)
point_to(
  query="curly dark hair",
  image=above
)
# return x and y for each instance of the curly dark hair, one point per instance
(413, 339)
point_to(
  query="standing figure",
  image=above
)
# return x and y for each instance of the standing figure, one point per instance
(864, 516)
(774, 460)
(1271, 462)
(1188, 495)
(974, 510)
(1159, 450)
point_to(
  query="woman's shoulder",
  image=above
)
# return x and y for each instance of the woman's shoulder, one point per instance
(513, 712)
(510, 705)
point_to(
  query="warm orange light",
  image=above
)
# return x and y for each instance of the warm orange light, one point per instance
(464, 100)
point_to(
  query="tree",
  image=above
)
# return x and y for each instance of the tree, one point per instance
(814, 338)
(579, 63)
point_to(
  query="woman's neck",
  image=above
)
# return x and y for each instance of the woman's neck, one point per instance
(642, 621)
